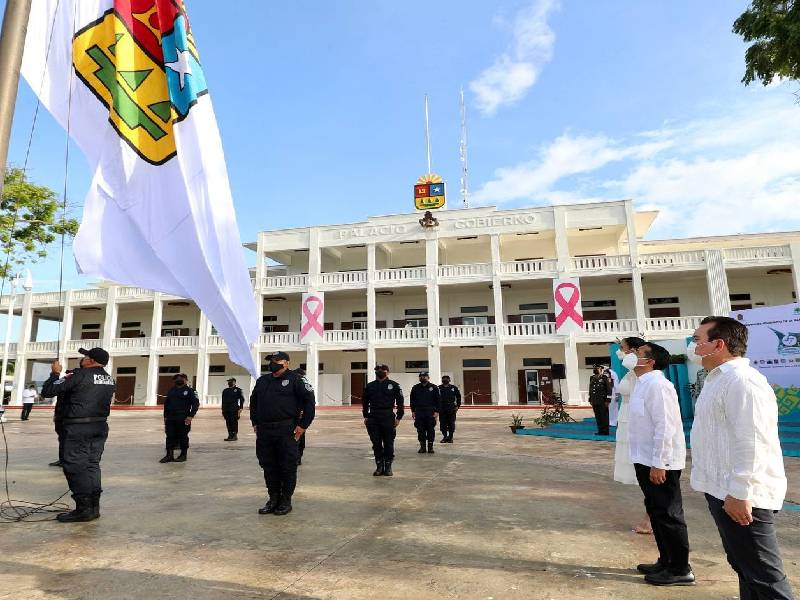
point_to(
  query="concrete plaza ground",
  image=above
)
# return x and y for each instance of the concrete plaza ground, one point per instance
(492, 516)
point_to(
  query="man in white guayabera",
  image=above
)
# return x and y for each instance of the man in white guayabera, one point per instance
(736, 457)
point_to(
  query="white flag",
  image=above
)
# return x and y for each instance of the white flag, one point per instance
(124, 77)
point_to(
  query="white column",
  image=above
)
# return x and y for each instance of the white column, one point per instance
(432, 294)
(256, 349)
(636, 272)
(501, 379)
(202, 358)
(795, 250)
(314, 259)
(110, 322)
(261, 262)
(371, 307)
(21, 364)
(153, 359)
(312, 368)
(718, 293)
(572, 393)
(66, 327)
(562, 243)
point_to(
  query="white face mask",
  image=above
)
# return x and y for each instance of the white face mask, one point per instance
(620, 354)
(692, 355)
(630, 361)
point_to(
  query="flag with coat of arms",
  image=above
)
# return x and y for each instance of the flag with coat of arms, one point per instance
(125, 79)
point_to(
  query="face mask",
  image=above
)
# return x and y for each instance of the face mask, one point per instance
(692, 355)
(381, 374)
(630, 361)
(180, 382)
(274, 367)
(620, 354)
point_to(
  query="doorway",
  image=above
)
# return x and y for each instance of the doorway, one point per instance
(477, 387)
(126, 384)
(358, 381)
(165, 383)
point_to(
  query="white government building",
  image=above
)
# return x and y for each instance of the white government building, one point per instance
(471, 297)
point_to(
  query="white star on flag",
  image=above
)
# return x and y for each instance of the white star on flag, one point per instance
(181, 66)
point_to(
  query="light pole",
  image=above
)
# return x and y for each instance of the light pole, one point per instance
(14, 283)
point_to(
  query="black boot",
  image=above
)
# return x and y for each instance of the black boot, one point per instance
(430, 447)
(234, 437)
(96, 504)
(450, 439)
(168, 457)
(444, 439)
(270, 506)
(421, 448)
(379, 468)
(182, 456)
(230, 437)
(387, 468)
(284, 506)
(56, 463)
(83, 511)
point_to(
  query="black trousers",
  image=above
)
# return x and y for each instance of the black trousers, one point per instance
(382, 432)
(26, 411)
(83, 449)
(664, 506)
(177, 434)
(601, 416)
(426, 429)
(753, 553)
(447, 423)
(231, 420)
(277, 454)
(59, 427)
(301, 445)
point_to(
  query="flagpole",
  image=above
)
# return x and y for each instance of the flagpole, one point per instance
(428, 134)
(12, 44)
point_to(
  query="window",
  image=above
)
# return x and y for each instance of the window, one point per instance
(358, 366)
(598, 303)
(667, 300)
(475, 320)
(168, 370)
(529, 259)
(416, 323)
(534, 306)
(90, 326)
(171, 323)
(360, 313)
(537, 362)
(740, 297)
(472, 363)
(416, 365)
(321, 367)
(591, 361)
(359, 325)
(270, 318)
(128, 324)
(541, 318)
(474, 309)
(216, 369)
(416, 311)
(126, 370)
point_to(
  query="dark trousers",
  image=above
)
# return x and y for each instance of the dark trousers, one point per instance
(177, 434)
(231, 420)
(601, 416)
(26, 411)
(382, 433)
(277, 454)
(753, 553)
(59, 427)
(83, 449)
(447, 423)
(426, 429)
(301, 445)
(664, 506)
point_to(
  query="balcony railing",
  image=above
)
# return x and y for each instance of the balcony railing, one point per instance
(344, 278)
(672, 259)
(400, 275)
(530, 268)
(405, 334)
(48, 298)
(90, 295)
(466, 270)
(212, 400)
(672, 324)
(138, 293)
(42, 347)
(529, 329)
(279, 339)
(140, 344)
(466, 332)
(215, 341)
(177, 341)
(596, 263)
(767, 254)
(340, 336)
(604, 327)
(285, 281)
(74, 345)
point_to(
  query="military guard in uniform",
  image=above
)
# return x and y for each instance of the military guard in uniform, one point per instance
(84, 400)
(380, 400)
(282, 407)
(180, 407)
(232, 405)
(425, 406)
(451, 401)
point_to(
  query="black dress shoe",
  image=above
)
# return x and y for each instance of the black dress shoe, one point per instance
(421, 450)
(56, 463)
(387, 468)
(284, 507)
(269, 507)
(665, 578)
(647, 569)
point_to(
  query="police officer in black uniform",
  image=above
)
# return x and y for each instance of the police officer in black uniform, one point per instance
(301, 443)
(85, 398)
(379, 401)
(180, 407)
(58, 417)
(451, 401)
(425, 406)
(282, 407)
(232, 405)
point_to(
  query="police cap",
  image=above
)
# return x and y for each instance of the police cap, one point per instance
(98, 355)
(279, 355)
(381, 367)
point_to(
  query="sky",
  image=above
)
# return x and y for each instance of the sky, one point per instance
(320, 106)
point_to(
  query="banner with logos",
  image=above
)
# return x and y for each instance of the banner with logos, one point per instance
(569, 312)
(774, 349)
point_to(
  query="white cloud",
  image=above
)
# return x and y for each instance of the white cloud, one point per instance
(738, 172)
(513, 73)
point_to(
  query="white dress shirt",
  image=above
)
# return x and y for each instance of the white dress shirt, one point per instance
(735, 447)
(29, 396)
(655, 428)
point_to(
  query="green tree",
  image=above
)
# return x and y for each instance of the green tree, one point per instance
(30, 221)
(772, 28)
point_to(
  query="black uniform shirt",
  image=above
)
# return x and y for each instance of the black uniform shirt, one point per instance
(451, 398)
(381, 398)
(425, 400)
(85, 393)
(599, 389)
(181, 402)
(232, 398)
(288, 396)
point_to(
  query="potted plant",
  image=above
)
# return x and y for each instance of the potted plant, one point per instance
(516, 423)
(553, 412)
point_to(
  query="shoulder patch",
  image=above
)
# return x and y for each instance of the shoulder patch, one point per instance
(309, 387)
(185, 392)
(430, 388)
(390, 387)
(285, 382)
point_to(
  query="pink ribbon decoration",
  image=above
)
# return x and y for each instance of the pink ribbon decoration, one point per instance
(312, 317)
(567, 306)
